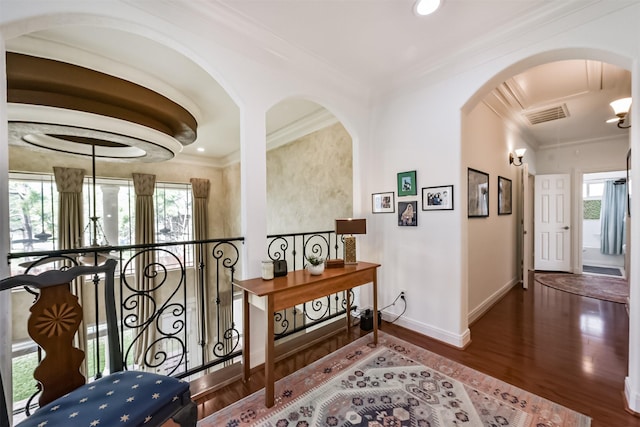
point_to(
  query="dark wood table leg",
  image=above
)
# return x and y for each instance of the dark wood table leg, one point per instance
(246, 346)
(269, 374)
(375, 307)
(348, 294)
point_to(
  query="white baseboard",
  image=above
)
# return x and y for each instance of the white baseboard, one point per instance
(456, 340)
(632, 397)
(477, 312)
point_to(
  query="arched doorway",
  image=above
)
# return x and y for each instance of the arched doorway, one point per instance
(547, 160)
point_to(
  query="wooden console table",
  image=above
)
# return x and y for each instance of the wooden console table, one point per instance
(298, 287)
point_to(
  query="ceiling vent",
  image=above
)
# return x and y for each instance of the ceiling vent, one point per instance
(548, 114)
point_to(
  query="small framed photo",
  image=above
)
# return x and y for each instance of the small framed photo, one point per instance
(408, 214)
(383, 202)
(504, 196)
(477, 193)
(437, 198)
(407, 185)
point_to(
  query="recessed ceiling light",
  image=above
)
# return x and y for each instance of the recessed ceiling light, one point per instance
(200, 149)
(426, 7)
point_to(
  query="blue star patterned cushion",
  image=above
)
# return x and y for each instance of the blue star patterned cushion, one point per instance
(128, 398)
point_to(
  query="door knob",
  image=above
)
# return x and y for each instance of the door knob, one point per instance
(566, 227)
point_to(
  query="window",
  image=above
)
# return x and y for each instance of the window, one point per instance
(33, 200)
(592, 190)
(33, 205)
(115, 210)
(592, 199)
(173, 207)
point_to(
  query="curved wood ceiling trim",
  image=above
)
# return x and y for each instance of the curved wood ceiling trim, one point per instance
(40, 81)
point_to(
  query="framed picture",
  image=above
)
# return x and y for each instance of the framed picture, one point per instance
(477, 193)
(437, 198)
(408, 214)
(629, 182)
(504, 196)
(383, 202)
(407, 185)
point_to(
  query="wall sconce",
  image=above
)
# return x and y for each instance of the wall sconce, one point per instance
(350, 226)
(621, 109)
(518, 155)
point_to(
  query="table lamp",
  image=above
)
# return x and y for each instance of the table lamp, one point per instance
(348, 227)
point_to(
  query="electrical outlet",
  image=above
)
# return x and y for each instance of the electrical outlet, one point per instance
(402, 294)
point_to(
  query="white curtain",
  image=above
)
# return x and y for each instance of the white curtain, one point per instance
(144, 185)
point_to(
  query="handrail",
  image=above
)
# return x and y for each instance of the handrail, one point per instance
(94, 249)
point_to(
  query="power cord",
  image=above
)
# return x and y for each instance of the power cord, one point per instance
(400, 296)
(403, 311)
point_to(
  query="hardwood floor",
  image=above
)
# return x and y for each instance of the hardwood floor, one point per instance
(569, 349)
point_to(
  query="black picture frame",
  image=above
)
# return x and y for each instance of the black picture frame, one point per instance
(408, 214)
(477, 193)
(505, 200)
(437, 198)
(407, 184)
(383, 202)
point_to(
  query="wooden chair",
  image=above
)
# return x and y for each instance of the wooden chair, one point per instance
(127, 398)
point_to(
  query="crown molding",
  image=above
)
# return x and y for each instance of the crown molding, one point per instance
(310, 123)
(315, 121)
(622, 137)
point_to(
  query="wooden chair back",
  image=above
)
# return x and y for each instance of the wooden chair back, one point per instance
(55, 319)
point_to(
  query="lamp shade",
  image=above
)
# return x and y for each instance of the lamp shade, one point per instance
(351, 226)
(621, 106)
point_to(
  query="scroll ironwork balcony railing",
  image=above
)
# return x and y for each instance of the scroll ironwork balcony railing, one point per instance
(294, 249)
(182, 323)
(188, 321)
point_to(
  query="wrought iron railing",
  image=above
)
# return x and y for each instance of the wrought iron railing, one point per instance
(186, 319)
(295, 248)
(165, 325)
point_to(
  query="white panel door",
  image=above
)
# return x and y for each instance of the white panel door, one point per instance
(552, 242)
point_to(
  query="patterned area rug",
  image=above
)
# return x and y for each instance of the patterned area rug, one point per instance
(605, 288)
(395, 384)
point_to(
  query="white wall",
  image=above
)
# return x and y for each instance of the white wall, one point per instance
(598, 156)
(414, 132)
(492, 247)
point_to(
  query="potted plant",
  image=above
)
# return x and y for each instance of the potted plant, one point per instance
(315, 265)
